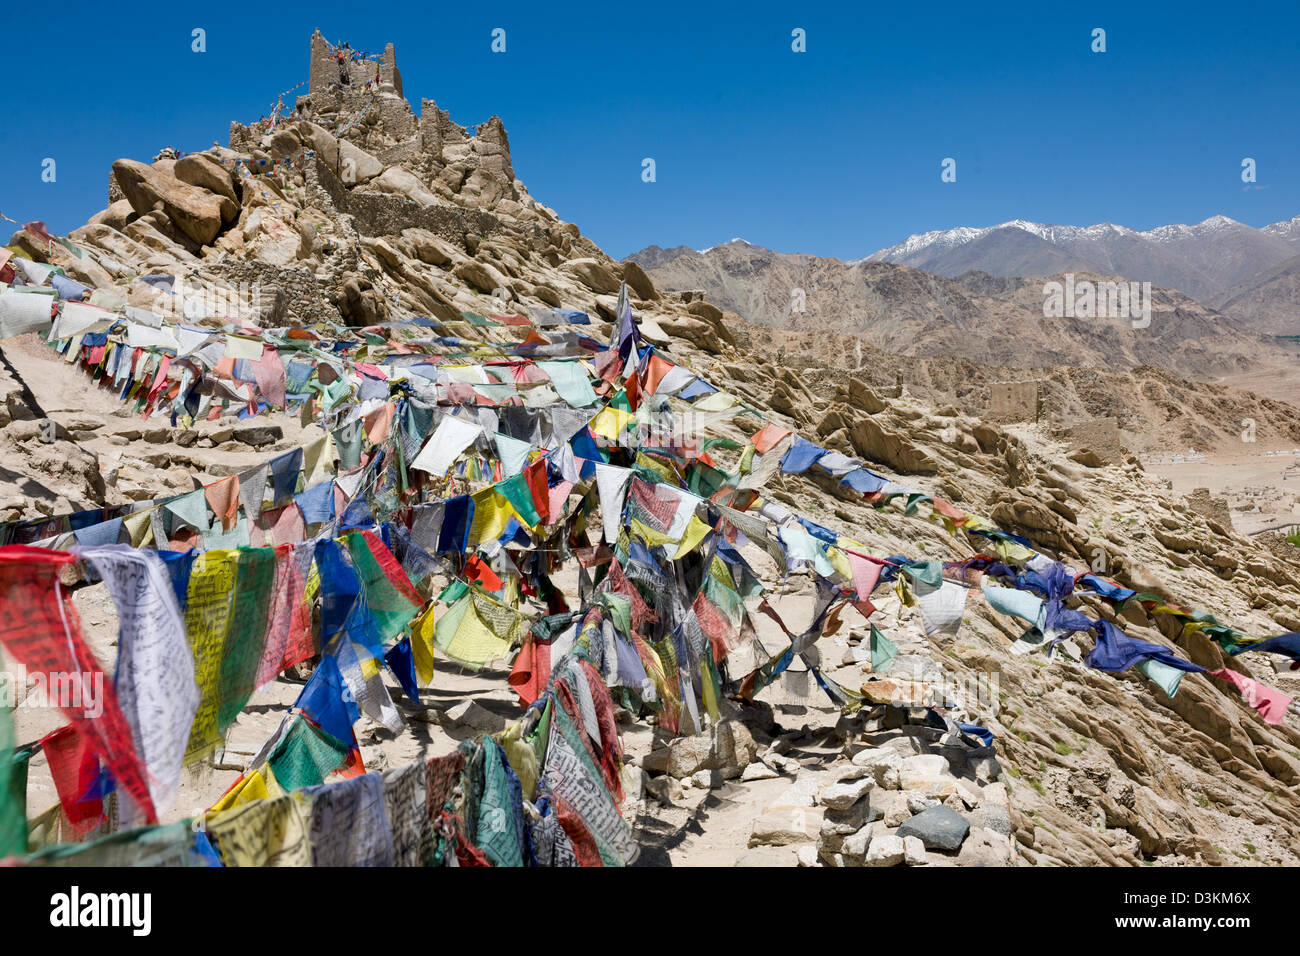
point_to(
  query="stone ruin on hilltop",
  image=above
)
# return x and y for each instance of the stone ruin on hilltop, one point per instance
(307, 189)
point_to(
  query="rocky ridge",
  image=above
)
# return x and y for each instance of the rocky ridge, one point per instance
(982, 318)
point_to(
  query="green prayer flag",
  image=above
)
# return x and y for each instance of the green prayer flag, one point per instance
(453, 592)
(883, 651)
(349, 440)
(516, 491)
(246, 634)
(570, 381)
(497, 834)
(926, 572)
(13, 791)
(390, 607)
(620, 610)
(1161, 674)
(305, 756)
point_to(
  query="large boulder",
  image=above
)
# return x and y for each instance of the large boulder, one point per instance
(639, 282)
(886, 850)
(195, 211)
(481, 188)
(875, 442)
(789, 401)
(352, 164)
(696, 331)
(145, 232)
(285, 143)
(863, 397)
(784, 826)
(115, 216)
(938, 828)
(705, 310)
(713, 315)
(891, 690)
(473, 716)
(200, 169)
(594, 275)
(883, 765)
(548, 294)
(481, 276)
(403, 182)
(277, 243)
(359, 302)
(429, 248)
(258, 435)
(727, 748)
(843, 794)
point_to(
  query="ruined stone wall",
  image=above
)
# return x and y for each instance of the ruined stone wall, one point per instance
(493, 149)
(1014, 401)
(381, 214)
(288, 295)
(242, 138)
(400, 153)
(1216, 509)
(1100, 436)
(390, 77)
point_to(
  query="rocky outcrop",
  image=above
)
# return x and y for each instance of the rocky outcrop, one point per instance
(195, 211)
(349, 162)
(875, 442)
(206, 172)
(595, 276)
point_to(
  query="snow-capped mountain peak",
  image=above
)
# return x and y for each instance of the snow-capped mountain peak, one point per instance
(1198, 259)
(729, 242)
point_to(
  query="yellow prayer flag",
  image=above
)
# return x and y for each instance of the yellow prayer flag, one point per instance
(696, 531)
(840, 562)
(717, 402)
(316, 458)
(139, 528)
(241, 347)
(422, 645)
(252, 787)
(492, 512)
(610, 422)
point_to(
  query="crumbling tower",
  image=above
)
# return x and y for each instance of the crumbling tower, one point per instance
(325, 70)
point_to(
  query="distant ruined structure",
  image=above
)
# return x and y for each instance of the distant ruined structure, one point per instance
(1015, 401)
(1101, 436)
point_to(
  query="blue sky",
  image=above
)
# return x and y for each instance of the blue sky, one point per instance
(835, 151)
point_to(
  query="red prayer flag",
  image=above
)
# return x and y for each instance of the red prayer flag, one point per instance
(40, 628)
(768, 437)
(535, 478)
(75, 770)
(477, 570)
(656, 369)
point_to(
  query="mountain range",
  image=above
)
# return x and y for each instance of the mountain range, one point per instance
(976, 315)
(1249, 274)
